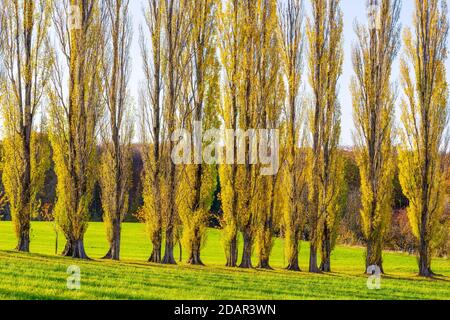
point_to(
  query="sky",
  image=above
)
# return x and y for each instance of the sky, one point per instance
(352, 10)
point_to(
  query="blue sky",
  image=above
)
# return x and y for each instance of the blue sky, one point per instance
(352, 9)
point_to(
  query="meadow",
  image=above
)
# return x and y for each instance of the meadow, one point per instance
(43, 275)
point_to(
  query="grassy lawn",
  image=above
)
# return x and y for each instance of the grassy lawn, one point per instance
(42, 275)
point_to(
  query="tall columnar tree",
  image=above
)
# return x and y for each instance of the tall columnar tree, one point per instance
(293, 174)
(425, 119)
(153, 129)
(198, 180)
(325, 181)
(75, 118)
(269, 99)
(373, 104)
(249, 115)
(115, 173)
(176, 28)
(269, 190)
(238, 36)
(230, 22)
(25, 65)
(244, 41)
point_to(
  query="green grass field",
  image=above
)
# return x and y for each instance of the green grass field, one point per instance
(42, 275)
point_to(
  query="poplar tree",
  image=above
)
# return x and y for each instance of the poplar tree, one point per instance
(325, 174)
(269, 100)
(248, 120)
(25, 67)
(74, 119)
(117, 129)
(198, 180)
(230, 22)
(153, 131)
(425, 120)
(176, 29)
(293, 172)
(373, 105)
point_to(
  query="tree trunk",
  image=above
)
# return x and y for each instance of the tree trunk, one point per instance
(325, 265)
(267, 233)
(246, 262)
(232, 253)
(68, 249)
(424, 245)
(374, 255)
(264, 260)
(313, 268)
(424, 259)
(194, 258)
(157, 244)
(23, 244)
(264, 264)
(168, 252)
(115, 246)
(56, 242)
(78, 251)
(265, 247)
(75, 249)
(313, 259)
(293, 264)
(26, 129)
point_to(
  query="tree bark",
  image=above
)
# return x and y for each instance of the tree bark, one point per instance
(265, 247)
(168, 253)
(325, 265)
(264, 264)
(115, 246)
(374, 256)
(293, 264)
(232, 250)
(23, 244)
(264, 260)
(157, 244)
(246, 262)
(313, 259)
(75, 249)
(232, 253)
(424, 258)
(68, 249)
(424, 245)
(26, 125)
(78, 251)
(194, 258)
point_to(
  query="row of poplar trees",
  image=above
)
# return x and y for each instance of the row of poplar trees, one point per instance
(237, 64)
(80, 74)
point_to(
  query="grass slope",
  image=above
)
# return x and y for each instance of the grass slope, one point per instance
(42, 275)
